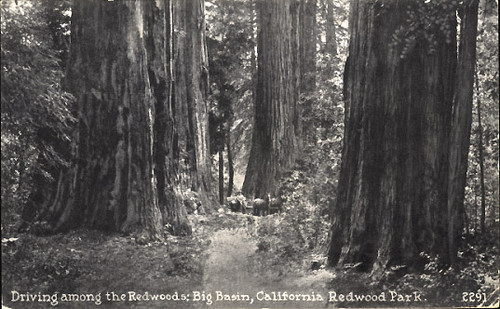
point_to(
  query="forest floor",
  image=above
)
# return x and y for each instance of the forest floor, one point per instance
(224, 264)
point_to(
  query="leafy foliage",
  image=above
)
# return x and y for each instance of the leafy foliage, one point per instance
(85, 261)
(36, 111)
(475, 272)
(231, 44)
(485, 93)
(430, 21)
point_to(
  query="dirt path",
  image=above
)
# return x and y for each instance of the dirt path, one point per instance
(229, 267)
(219, 266)
(234, 276)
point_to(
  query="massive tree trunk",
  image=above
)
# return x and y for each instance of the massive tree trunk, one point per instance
(160, 72)
(392, 193)
(461, 123)
(277, 113)
(120, 73)
(191, 93)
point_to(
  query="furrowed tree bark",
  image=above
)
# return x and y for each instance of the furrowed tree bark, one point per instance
(121, 177)
(277, 113)
(191, 93)
(392, 193)
(461, 124)
(159, 44)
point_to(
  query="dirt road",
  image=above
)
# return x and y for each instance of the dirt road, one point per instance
(219, 266)
(230, 269)
(236, 277)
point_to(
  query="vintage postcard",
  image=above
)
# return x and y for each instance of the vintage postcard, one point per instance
(250, 154)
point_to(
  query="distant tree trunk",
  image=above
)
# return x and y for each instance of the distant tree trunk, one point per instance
(191, 93)
(307, 45)
(274, 140)
(330, 49)
(230, 162)
(331, 32)
(221, 177)
(254, 60)
(296, 14)
(392, 188)
(120, 73)
(461, 124)
(480, 159)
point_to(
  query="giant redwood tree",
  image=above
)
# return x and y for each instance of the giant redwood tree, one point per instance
(123, 174)
(401, 82)
(277, 112)
(190, 97)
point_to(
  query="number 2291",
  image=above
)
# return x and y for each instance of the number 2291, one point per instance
(470, 297)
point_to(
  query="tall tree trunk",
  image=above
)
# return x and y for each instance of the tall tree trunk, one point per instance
(230, 163)
(221, 177)
(191, 93)
(159, 43)
(120, 179)
(296, 13)
(274, 140)
(393, 181)
(331, 32)
(461, 124)
(307, 46)
(480, 158)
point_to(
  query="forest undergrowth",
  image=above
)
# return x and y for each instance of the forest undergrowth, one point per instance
(87, 261)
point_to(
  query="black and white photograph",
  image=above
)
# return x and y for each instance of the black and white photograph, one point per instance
(233, 154)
